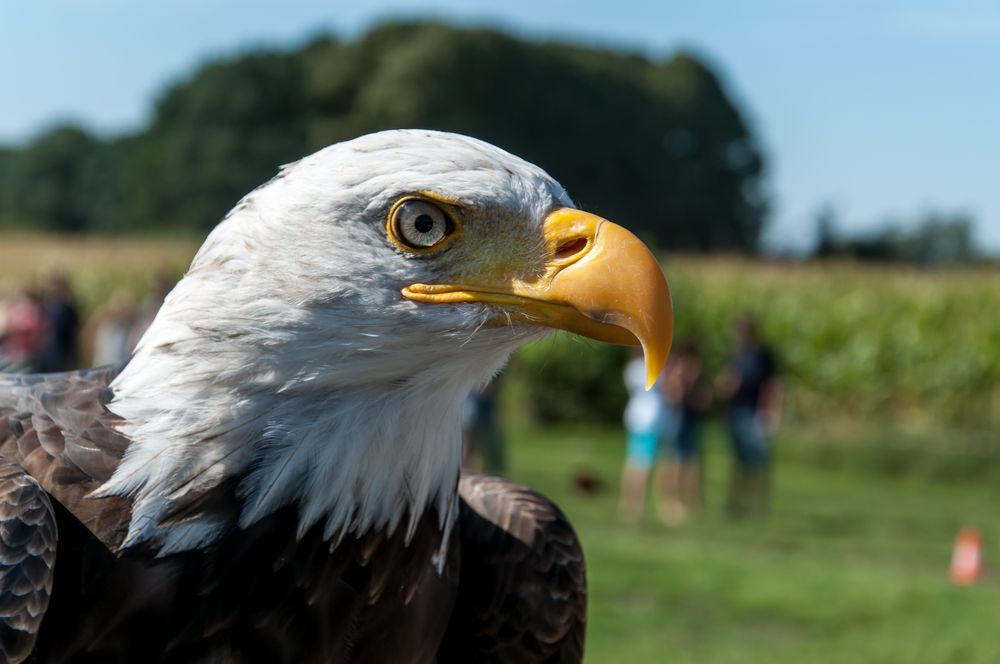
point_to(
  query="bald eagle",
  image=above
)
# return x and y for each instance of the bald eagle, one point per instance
(274, 475)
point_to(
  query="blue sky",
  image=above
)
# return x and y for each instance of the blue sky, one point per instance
(882, 109)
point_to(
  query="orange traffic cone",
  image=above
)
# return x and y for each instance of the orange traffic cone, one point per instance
(967, 558)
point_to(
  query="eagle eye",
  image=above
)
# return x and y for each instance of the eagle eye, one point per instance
(417, 224)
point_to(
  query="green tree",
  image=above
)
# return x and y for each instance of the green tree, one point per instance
(656, 145)
(212, 139)
(49, 183)
(936, 238)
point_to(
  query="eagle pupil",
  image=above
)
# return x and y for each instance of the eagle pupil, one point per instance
(424, 223)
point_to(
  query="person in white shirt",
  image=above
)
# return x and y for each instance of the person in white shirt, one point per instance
(644, 422)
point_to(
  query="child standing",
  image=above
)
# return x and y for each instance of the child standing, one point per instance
(644, 416)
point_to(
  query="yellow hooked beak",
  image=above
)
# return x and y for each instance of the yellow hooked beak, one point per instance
(600, 281)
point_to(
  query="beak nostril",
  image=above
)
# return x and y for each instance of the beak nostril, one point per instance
(571, 247)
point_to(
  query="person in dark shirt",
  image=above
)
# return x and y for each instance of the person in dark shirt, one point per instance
(482, 433)
(751, 389)
(64, 326)
(687, 397)
(25, 332)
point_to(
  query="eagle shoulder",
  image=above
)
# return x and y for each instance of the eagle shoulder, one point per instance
(523, 591)
(58, 429)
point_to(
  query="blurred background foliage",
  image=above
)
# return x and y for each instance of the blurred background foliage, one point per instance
(919, 349)
(656, 144)
(937, 238)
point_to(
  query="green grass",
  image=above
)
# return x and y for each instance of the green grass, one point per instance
(851, 565)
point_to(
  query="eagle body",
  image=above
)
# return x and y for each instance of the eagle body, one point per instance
(265, 594)
(274, 475)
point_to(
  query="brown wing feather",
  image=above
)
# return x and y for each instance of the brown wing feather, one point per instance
(27, 557)
(522, 592)
(58, 428)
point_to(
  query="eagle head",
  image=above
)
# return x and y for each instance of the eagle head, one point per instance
(320, 347)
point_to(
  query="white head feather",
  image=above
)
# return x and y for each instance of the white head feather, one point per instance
(287, 358)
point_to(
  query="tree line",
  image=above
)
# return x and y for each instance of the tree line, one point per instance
(934, 238)
(656, 144)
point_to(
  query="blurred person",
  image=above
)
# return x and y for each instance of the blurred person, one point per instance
(60, 352)
(111, 328)
(644, 421)
(687, 399)
(4, 303)
(26, 332)
(751, 389)
(483, 436)
(163, 283)
(5, 363)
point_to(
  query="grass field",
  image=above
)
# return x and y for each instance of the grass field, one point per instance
(851, 566)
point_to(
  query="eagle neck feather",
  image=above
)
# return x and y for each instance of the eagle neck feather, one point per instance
(357, 440)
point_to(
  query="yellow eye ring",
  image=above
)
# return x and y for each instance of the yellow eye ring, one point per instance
(422, 224)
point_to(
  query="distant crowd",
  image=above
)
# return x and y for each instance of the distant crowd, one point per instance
(41, 329)
(664, 427)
